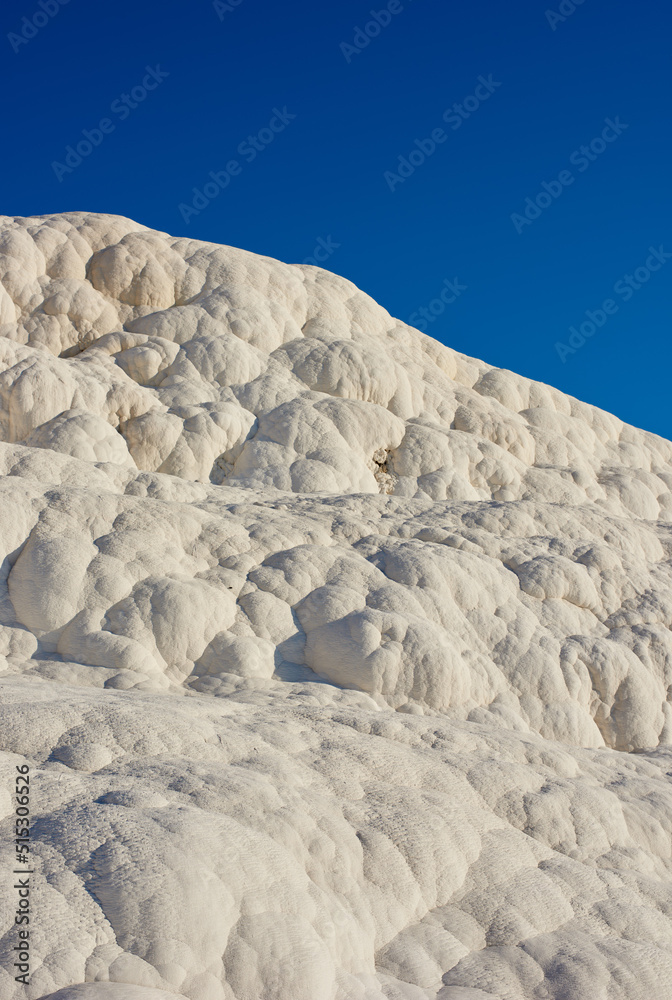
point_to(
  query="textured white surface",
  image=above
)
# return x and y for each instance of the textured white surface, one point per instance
(111, 991)
(343, 661)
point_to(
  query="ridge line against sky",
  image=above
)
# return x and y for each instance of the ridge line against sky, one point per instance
(518, 156)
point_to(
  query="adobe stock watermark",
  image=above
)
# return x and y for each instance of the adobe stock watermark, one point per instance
(363, 36)
(22, 867)
(222, 7)
(431, 312)
(249, 149)
(581, 158)
(120, 106)
(31, 25)
(625, 288)
(565, 10)
(322, 251)
(457, 114)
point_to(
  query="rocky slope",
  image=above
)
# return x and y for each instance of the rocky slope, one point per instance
(342, 661)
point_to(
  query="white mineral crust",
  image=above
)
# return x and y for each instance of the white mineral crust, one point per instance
(342, 661)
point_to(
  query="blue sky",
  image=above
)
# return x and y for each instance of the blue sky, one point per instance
(309, 126)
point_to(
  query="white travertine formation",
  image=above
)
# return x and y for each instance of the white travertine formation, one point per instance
(342, 662)
(111, 991)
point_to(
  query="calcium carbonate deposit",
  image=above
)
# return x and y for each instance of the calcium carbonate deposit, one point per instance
(341, 662)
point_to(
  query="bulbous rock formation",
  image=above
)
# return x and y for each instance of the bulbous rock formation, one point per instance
(342, 661)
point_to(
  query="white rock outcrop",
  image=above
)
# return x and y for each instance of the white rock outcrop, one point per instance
(342, 661)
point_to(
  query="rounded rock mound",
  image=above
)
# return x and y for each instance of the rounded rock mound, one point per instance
(341, 662)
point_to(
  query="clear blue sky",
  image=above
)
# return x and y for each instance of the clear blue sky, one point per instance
(333, 172)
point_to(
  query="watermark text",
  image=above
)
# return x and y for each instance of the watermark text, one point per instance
(430, 313)
(454, 116)
(121, 107)
(624, 288)
(581, 158)
(22, 872)
(31, 25)
(248, 149)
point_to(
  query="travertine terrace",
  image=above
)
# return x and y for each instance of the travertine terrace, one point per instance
(342, 661)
